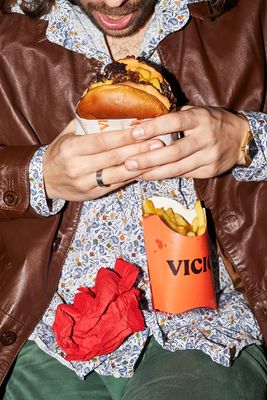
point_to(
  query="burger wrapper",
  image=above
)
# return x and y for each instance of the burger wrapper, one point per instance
(180, 273)
(88, 126)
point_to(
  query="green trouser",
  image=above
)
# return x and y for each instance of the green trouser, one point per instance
(160, 375)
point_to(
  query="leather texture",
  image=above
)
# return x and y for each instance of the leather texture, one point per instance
(40, 84)
(235, 42)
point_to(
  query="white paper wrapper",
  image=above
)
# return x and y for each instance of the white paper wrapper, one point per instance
(86, 127)
(188, 213)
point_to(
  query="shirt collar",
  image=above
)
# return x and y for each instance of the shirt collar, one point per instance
(68, 26)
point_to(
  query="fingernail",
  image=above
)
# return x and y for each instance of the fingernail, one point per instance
(138, 132)
(155, 145)
(131, 164)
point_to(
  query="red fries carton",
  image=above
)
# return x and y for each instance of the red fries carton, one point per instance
(179, 268)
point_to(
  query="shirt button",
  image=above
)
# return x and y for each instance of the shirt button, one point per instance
(7, 338)
(10, 198)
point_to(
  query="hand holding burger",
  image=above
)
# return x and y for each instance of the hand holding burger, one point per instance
(128, 89)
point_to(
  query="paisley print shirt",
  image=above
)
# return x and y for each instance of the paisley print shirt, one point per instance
(111, 227)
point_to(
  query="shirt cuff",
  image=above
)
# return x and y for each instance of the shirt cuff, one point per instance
(257, 170)
(38, 199)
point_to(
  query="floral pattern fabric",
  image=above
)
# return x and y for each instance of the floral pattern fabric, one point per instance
(111, 228)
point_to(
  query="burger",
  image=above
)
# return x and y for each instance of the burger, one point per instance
(128, 88)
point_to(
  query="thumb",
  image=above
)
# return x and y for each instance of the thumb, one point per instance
(184, 108)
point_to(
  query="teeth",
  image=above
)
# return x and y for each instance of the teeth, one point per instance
(115, 17)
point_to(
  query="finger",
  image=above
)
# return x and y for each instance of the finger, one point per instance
(82, 165)
(99, 142)
(203, 172)
(179, 150)
(184, 108)
(113, 178)
(101, 191)
(182, 168)
(118, 176)
(173, 122)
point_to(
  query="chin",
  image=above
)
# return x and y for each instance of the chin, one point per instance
(119, 33)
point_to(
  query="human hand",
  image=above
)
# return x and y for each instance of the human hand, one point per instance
(211, 144)
(71, 162)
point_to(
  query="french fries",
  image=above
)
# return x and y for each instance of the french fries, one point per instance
(201, 217)
(176, 221)
(148, 207)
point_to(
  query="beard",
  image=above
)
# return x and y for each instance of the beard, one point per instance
(141, 9)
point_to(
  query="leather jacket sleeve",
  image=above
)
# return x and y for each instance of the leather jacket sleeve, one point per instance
(14, 178)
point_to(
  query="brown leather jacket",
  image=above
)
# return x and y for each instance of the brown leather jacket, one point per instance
(217, 62)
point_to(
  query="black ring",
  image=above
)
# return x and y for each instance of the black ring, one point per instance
(99, 180)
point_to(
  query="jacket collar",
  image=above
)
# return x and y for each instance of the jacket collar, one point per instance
(68, 26)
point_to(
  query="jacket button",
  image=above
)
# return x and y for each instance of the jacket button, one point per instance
(10, 198)
(229, 222)
(8, 338)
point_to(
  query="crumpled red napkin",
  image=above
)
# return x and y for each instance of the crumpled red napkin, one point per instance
(101, 317)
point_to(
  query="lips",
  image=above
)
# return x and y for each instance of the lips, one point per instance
(114, 22)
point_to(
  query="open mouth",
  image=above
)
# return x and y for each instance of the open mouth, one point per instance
(113, 22)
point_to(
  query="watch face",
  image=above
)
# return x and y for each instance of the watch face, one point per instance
(252, 148)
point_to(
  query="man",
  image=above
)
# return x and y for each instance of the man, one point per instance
(51, 245)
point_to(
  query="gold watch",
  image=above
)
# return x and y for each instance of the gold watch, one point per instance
(249, 148)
